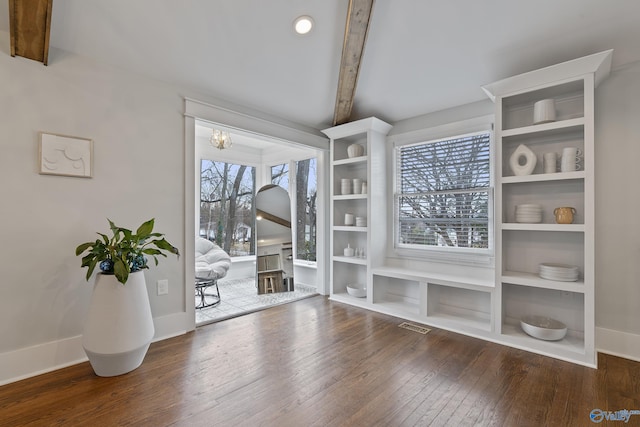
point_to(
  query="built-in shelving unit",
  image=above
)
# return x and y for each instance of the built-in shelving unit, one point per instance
(370, 134)
(479, 301)
(522, 247)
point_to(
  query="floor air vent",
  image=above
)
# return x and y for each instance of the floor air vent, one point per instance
(415, 328)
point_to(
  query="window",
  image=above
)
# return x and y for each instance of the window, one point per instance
(304, 199)
(280, 175)
(226, 206)
(443, 194)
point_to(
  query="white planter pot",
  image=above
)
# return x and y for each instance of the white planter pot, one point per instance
(119, 327)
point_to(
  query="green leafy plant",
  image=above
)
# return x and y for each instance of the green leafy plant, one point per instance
(124, 252)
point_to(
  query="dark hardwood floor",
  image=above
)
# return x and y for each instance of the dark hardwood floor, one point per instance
(319, 363)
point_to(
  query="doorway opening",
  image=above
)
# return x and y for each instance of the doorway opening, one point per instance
(226, 185)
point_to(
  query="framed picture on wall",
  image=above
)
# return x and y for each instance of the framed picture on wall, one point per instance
(65, 155)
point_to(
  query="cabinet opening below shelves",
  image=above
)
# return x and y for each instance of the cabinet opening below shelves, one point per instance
(466, 306)
(567, 307)
(397, 294)
(344, 274)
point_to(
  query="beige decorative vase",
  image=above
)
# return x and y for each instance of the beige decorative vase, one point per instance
(564, 215)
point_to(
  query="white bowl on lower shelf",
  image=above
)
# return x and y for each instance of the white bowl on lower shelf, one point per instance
(357, 290)
(544, 328)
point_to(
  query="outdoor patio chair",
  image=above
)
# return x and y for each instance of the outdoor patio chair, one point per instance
(212, 263)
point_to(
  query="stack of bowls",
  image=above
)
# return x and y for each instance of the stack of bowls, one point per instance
(559, 272)
(529, 213)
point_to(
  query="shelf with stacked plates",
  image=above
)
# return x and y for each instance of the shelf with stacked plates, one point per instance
(545, 202)
(356, 148)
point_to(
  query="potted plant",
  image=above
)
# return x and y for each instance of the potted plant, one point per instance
(119, 326)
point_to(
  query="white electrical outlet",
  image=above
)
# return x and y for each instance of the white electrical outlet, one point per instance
(163, 287)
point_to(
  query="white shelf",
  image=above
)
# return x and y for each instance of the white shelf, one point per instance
(544, 128)
(349, 228)
(576, 228)
(453, 280)
(569, 344)
(350, 260)
(559, 176)
(350, 161)
(533, 280)
(350, 196)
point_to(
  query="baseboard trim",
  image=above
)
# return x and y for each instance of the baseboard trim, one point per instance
(618, 343)
(172, 325)
(42, 358)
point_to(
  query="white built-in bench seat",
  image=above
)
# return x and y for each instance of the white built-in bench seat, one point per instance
(453, 278)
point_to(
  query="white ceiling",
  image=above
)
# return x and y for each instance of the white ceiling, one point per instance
(421, 55)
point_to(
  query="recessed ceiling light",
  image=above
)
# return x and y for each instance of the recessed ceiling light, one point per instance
(303, 24)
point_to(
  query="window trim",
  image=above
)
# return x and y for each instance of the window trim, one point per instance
(466, 256)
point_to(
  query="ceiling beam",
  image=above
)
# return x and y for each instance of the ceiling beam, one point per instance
(29, 27)
(355, 37)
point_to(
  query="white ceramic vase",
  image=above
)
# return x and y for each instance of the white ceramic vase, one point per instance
(523, 161)
(119, 326)
(355, 150)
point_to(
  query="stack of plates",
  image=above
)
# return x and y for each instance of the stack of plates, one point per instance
(529, 213)
(560, 272)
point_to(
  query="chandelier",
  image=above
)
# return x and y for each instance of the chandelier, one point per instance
(220, 139)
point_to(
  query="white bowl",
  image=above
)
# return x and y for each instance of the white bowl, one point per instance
(543, 328)
(357, 290)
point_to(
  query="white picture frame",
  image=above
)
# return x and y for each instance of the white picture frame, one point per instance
(65, 155)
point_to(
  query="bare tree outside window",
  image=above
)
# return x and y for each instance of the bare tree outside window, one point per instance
(304, 201)
(443, 193)
(226, 206)
(280, 175)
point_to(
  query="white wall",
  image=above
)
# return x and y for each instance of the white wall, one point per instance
(137, 128)
(617, 130)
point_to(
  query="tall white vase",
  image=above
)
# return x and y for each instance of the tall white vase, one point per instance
(119, 327)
